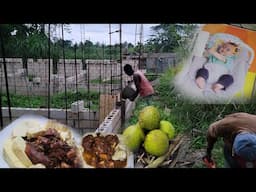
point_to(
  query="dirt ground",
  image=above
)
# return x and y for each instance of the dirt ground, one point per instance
(188, 157)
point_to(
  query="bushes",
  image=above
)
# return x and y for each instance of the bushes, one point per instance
(57, 100)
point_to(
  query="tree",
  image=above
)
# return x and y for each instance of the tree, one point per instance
(168, 37)
(130, 45)
(14, 39)
(38, 45)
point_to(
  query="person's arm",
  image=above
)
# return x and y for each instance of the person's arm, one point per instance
(239, 115)
(136, 79)
(219, 129)
(226, 126)
(214, 52)
(211, 140)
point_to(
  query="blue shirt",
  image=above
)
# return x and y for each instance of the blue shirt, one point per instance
(228, 64)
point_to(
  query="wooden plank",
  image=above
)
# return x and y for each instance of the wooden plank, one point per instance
(107, 104)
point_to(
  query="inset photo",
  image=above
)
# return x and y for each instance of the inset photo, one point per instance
(221, 67)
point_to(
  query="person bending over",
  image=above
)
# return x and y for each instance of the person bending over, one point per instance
(143, 86)
(238, 131)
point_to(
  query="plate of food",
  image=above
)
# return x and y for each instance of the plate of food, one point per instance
(33, 141)
(106, 150)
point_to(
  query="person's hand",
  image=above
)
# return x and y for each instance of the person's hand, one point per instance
(222, 58)
(208, 158)
(208, 161)
(214, 126)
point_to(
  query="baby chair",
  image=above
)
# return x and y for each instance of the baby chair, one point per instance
(185, 81)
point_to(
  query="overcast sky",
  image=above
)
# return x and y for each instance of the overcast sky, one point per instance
(100, 33)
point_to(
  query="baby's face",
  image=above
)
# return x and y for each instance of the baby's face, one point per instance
(227, 49)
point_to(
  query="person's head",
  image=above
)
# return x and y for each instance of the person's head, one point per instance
(128, 69)
(228, 49)
(245, 146)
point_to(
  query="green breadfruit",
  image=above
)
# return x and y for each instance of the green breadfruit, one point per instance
(133, 137)
(149, 118)
(156, 143)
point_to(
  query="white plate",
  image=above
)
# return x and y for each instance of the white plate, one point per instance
(7, 133)
(130, 159)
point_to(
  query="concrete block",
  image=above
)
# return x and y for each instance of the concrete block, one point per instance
(77, 106)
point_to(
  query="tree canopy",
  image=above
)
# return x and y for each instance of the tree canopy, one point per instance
(32, 41)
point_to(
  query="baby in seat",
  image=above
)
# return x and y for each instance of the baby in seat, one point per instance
(219, 53)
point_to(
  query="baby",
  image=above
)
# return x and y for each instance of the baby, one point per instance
(221, 53)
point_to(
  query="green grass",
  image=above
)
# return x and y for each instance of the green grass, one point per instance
(96, 81)
(57, 100)
(151, 76)
(186, 116)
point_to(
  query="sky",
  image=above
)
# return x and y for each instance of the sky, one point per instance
(100, 33)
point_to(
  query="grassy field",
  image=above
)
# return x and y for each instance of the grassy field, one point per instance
(57, 100)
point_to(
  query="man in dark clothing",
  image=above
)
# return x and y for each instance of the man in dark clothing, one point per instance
(238, 131)
(143, 86)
